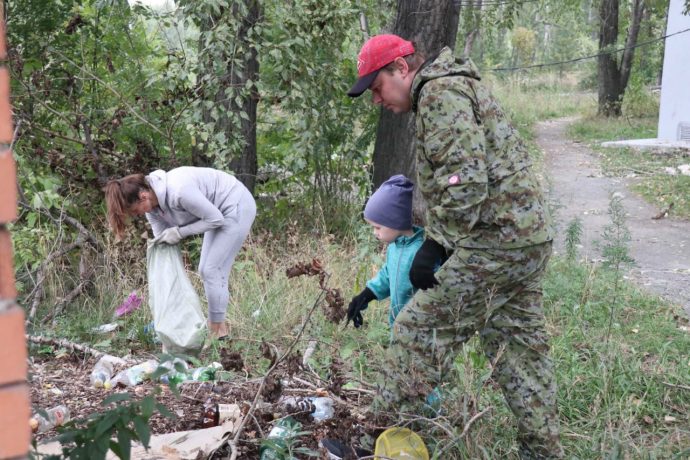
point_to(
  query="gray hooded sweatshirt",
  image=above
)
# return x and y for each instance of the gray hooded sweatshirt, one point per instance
(194, 199)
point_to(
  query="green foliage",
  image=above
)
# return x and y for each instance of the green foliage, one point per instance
(523, 42)
(113, 429)
(315, 131)
(639, 101)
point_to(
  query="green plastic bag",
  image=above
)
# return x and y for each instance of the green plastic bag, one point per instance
(177, 316)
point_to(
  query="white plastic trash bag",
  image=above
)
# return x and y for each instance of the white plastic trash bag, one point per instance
(177, 316)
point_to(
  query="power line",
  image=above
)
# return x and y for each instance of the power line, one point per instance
(583, 58)
(471, 3)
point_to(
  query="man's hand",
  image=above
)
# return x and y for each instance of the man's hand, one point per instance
(357, 304)
(170, 235)
(428, 259)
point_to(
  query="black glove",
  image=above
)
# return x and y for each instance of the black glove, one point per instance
(357, 304)
(428, 259)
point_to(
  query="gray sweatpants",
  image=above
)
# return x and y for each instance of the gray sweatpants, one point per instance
(218, 252)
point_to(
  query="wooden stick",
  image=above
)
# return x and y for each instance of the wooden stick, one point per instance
(66, 344)
(673, 385)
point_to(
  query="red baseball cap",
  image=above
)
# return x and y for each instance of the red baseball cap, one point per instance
(376, 53)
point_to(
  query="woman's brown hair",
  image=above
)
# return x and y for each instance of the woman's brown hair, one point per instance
(120, 195)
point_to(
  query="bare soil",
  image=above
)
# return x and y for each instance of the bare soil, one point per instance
(578, 188)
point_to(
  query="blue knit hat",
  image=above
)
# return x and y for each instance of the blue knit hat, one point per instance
(391, 204)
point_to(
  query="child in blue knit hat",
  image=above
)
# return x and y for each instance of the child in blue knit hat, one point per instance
(389, 212)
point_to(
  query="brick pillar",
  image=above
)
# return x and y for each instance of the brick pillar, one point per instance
(15, 436)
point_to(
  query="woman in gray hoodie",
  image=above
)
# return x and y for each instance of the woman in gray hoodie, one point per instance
(190, 201)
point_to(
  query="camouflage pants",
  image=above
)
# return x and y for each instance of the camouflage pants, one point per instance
(496, 293)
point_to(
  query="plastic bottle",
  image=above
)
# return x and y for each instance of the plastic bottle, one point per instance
(54, 416)
(320, 408)
(103, 371)
(135, 374)
(274, 447)
(207, 373)
(174, 375)
(323, 408)
(293, 405)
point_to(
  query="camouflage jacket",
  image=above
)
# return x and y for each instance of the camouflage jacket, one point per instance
(474, 170)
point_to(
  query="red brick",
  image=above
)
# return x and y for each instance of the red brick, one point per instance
(15, 435)
(5, 111)
(8, 289)
(8, 188)
(12, 346)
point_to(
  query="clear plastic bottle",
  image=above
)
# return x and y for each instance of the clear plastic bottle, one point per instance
(103, 371)
(178, 372)
(323, 408)
(54, 416)
(274, 447)
(293, 405)
(206, 373)
(320, 408)
(135, 374)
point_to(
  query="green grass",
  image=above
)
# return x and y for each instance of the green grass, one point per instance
(644, 168)
(617, 395)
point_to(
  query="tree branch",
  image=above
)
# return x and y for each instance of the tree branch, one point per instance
(65, 344)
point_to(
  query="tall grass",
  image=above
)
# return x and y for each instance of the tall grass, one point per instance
(532, 101)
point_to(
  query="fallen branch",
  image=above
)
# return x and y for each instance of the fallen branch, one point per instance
(64, 343)
(474, 418)
(465, 430)
(673, 385)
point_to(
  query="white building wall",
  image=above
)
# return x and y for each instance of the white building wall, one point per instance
(675, 81)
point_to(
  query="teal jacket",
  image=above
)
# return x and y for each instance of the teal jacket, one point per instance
(393, 280)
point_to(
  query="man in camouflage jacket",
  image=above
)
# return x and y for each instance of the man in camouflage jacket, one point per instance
(486, 211)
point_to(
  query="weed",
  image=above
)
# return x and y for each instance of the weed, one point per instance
(615, 251)
(573, 235)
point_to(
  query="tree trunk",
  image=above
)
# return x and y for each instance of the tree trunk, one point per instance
(237, 120)
(630, 42)
(245, 165)
(610, 92)
(431, 25)
(614, 77)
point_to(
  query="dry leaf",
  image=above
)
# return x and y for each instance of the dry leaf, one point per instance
(669, 419)
(648, 420)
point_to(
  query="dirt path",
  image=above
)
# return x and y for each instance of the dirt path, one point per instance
(660, 248)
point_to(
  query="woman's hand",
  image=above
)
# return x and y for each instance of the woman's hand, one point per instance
(170, 235)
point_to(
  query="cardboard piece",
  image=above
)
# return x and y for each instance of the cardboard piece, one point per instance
(182, 445)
